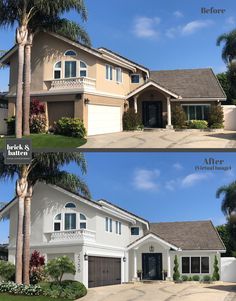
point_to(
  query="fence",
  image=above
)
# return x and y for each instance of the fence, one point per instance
(228, 269)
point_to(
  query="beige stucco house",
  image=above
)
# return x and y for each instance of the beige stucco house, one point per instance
(97, 85)
(110, 245)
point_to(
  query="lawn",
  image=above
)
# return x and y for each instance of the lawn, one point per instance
(50, 141)
(7, 297)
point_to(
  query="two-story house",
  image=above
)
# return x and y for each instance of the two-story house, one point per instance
(110, 245)
(97, 85)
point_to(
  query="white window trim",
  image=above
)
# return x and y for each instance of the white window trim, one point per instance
(70, 55)
(107, 224)
(76, 220)
(76, 69)
(131, 78)
(110, 72)
(58, 221)
(121, 75)
(118, 227)
(195, 105)
(190, 265)
(57, 69)
(83, 69)
(82, 221)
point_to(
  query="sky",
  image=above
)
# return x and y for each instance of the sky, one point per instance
(160, 34)
(156, 186)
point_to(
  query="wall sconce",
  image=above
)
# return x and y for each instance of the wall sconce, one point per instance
(151, 249)
(85, 257)
(86, 101)
(124, 259)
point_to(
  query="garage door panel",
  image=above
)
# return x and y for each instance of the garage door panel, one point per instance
(103, 119)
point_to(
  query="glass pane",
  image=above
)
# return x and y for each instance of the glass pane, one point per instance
(205, 265)
(192, 113)
(119, 227)
(58, 65)
(57, 74)
(58, 217)
(82, 217)
(195, 265)
(57, 226)
(117, 230)
(82, 225)
(107, 72)
(70, 53)
(83, 73)
(206, 110)
(70, 205)
(70, 69)
(199, 112)
(111, 71)
(83, 65)
(70, 221)
(134, 231)
(135, 78)
(185, 265)
(110, 225)
(106, 223)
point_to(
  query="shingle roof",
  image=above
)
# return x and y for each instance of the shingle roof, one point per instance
(190, 83)
(196, 235)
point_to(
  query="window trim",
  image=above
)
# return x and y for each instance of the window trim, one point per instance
(190, 264)
(107, 224)
(84, 221)
(57, 69)
(74, 205)
(72, 55)
(118, 227)
(83, 68)
(76, 221)
(59, 222)
(76, 67)
(137, 74)
(116, 75)
(110, 72)
(195, 105)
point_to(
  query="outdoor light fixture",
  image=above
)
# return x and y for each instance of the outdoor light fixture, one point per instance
(86, 101)
(151, 249)
(85, 257)
(124, 259)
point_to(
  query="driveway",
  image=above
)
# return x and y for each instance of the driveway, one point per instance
(163, 291)
(163, 139)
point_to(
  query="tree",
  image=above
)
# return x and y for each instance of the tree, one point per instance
(178, 116)
(45, 167)
(176, 274)
(226, 233)
(229, 48)
(216, 275)
(228, 204)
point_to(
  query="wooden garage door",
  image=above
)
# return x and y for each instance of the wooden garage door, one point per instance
(59, 109)
(104, 271)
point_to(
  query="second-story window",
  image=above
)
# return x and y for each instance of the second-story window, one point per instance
(118, 227)
(57, 223)
(118, 75)
(134, 230)
(70, 69)
(107, 224)
(109, 71)
(57, 70)
(70, 53)
(83, 221)
(83, 69)
(135, 78)
(70, 221)
(110, 224)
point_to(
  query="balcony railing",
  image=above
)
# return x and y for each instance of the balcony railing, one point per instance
(81, 83)
(71, 235)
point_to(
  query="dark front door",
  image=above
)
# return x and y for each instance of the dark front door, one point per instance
(152, 266)
(152, 114)
(103, 271)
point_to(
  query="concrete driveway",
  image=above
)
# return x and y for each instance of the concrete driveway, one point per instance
(163, 139)
(163, 291)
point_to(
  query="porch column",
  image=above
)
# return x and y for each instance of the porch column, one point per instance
(135, 265)
(168, 265)
(169, 125)
(136, 103)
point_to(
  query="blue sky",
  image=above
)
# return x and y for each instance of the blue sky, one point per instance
(156, 186)
(163, 34)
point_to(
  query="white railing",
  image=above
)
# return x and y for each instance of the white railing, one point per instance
(73, 83)
(69, 235)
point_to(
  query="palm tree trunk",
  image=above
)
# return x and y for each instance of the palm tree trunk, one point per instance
(26, 238)
(27, 76)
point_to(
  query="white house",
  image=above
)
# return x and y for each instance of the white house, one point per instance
(110, 245)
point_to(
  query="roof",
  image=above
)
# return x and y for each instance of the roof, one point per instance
(190, 83)
(193, 235)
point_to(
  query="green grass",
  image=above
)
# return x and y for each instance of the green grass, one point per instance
(7, 297)
(50, 141)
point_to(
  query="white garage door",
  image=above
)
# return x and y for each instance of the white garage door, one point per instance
(103, 119)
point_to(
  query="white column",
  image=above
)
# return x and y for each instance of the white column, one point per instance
(136, 103)
(135, 265)
(168, 265)
(169, 125)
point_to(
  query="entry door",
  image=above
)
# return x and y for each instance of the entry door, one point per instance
(152, 114)
(152, 266)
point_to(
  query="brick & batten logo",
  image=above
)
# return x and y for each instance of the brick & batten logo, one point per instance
(18, 151)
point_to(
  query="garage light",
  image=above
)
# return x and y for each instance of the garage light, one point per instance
(85, 257)
(124, 259)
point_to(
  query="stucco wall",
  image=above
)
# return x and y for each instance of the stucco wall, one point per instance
(228, 269)
(3, 125)
(229, 118)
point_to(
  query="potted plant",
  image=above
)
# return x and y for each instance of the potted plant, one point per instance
(164, 274)
(140, 273)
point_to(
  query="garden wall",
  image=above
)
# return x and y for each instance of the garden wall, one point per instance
(228, 269)
(3, 125)
(230, 118)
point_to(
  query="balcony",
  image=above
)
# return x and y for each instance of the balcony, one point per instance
(71, 235)
(79, 83)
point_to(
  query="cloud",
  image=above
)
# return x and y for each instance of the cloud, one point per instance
(145, 27)
(194, 26)
(231, 21)
(177, 166)
(178, 14)
(145, 179)
(170, 185)
(193, 178)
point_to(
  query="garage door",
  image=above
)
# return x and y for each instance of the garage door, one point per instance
(103, 119)
(104, 271)
(59, 109)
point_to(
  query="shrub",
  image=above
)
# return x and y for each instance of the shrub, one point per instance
(176, 274)
(37, 272)
(196, 278)
(37, 107)
(216, 275)
(72, 127)
(206, 278)
(132, 121)
(11, 121)
(20, 289)
(190, 278)
(184, 278)
(216, 117)
(178, 116)
(7, 270)
(57, 267)
(198, 124)
(38, 123)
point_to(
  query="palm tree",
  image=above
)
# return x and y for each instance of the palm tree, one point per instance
(229, 49)
(45, 167)
(24, 12)
(228, 205)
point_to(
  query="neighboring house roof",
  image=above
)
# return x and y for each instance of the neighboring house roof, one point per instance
(194, 235)
(190, 83)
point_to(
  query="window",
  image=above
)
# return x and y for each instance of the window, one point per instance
(70, 53)
(195, 265)
(70, 69)
(109, 71)
(135, 78)
(70, 205)
(83, 69)
(110, 224)
(57, 223)
(196, 112)
(57, 70)
(118, 75)
(83, 221)
(135, 231)
(70, 221)
(205, 265)
(107, 224)
(118, 227)
(185, 265)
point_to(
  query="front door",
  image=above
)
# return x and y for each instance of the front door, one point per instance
(152, 114)
(152, 266)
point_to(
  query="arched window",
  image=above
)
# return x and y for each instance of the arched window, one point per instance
(70, 53)
(57, 222)
(83, 69)
(70, 205)
(83, 221)
(57, 70)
